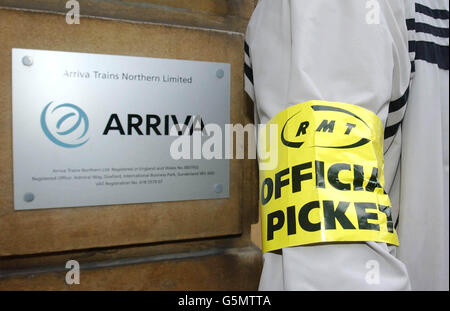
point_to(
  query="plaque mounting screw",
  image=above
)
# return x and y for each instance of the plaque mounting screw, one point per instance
(219, 73)
(218, 188)
(28, 197)
(27, 60)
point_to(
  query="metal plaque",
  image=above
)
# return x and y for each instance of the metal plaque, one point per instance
(92, 129)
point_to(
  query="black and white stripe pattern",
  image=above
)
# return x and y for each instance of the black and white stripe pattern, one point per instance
(248, 72)
(428, 40)
(397, 109)
(429, 35)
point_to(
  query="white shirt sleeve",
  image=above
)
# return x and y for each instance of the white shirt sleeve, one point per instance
(423, 221)
(349, 51)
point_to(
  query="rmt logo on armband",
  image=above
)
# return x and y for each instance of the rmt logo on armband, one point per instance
(328, 182)
(354, 131)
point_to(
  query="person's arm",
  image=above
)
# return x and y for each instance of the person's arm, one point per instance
(337, 51)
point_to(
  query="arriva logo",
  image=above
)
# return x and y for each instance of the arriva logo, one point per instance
(65, 125)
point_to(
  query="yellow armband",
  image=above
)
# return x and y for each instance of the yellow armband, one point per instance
(325, 182)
